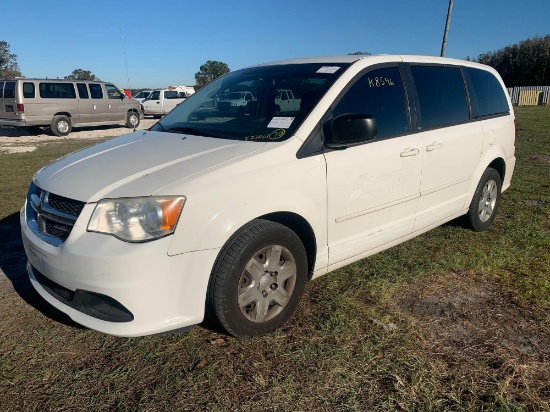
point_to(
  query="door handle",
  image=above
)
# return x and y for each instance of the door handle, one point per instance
(409, 152)
(434, 146)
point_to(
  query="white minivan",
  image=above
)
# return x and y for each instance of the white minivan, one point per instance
(226, 214)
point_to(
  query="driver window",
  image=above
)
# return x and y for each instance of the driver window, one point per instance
(380, 94)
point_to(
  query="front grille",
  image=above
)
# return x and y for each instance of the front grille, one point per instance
(68, 206)
(50, 216)
(56, 229)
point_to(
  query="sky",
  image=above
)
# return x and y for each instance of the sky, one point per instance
(154, 44)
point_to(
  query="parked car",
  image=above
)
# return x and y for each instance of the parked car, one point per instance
(230, 214)
(141, 96)
(161, 102)
(286, 102)
(63, 104)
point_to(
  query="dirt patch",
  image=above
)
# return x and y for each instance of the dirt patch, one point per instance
(476, 331)
(12, 137)
(17, 149)
(541, 159)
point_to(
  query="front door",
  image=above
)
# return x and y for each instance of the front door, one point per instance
(117, 103)
(373, 188)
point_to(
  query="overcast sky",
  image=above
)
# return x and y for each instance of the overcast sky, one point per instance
(142, 44)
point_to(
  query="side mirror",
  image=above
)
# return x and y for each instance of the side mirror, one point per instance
(349, 129)
(122, 96)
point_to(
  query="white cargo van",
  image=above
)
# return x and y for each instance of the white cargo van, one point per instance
(229, 213)
(64, 104)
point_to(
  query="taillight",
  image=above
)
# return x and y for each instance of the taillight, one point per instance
(20, 107)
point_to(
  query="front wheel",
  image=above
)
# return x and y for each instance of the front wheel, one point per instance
(258, 279)
(484, 204)
(132, 120)
(61, 126)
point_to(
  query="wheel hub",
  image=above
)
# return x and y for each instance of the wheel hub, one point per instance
(268, 283)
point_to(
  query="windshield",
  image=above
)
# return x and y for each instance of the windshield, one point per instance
(247, 104)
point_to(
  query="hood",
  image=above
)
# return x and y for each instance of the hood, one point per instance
(137, 164)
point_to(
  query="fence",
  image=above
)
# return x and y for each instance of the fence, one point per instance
(515, 94)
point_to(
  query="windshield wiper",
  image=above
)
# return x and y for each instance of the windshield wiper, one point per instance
(193, 131)
(162, 128)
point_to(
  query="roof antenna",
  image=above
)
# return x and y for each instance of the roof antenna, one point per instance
(126, 63)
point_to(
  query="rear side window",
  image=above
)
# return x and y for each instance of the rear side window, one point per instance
(28, 90)
(379, 94)
(171, 95)
(489, 93)
(82, 90)
(441, 95)
(95, 91)
(57, 90)
(9, 90)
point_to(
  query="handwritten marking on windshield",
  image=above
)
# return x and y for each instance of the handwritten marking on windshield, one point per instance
(274, 135)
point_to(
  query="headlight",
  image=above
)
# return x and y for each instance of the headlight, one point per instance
(138, 219)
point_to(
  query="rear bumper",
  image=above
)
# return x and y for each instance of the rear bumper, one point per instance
(13, 122)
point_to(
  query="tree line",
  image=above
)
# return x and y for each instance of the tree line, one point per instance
(526, 63)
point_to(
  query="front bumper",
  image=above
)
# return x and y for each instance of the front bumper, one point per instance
(160, 292)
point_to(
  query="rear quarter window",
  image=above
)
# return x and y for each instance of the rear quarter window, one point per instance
(57, 90)
(489, 94)
(441, 95)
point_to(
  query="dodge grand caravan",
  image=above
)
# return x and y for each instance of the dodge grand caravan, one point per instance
(62, 104)
(228, 214)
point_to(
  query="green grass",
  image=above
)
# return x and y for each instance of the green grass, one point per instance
(451, 320)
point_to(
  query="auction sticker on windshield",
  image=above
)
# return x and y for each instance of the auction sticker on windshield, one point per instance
(328, 69)
(280, 122)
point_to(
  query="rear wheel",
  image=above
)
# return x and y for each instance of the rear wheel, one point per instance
(61, 126)
(258, 279)
(132, 120)
(484, 205)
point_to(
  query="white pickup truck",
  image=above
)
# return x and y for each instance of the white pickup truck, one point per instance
(286, 102)
(160, 102)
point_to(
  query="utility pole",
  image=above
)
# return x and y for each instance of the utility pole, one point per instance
(446, 28)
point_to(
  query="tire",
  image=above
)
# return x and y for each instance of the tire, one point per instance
(250, 293)
(61, 126)
(132, 120)
(484, 205)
